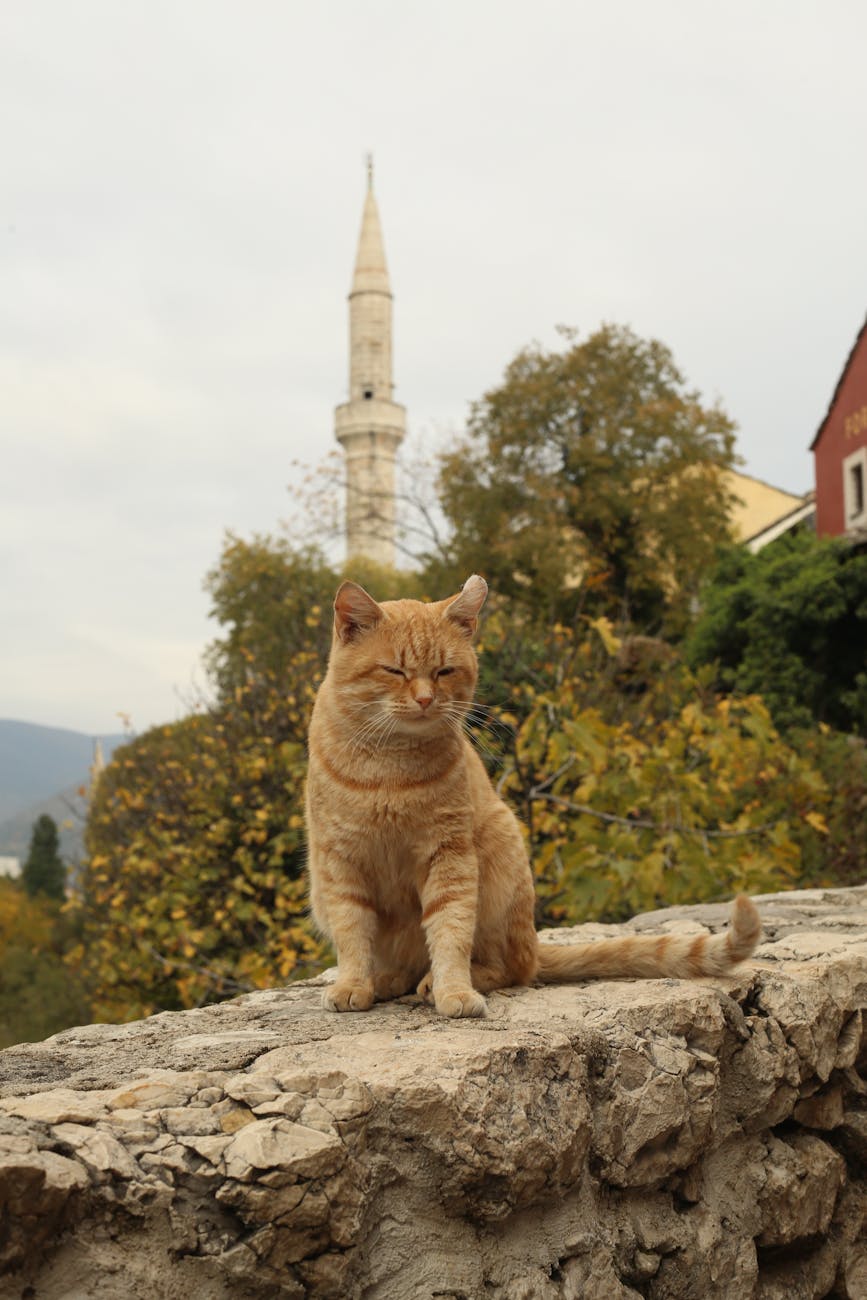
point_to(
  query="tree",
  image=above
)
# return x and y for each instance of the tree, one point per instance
(193, 887)
(273, 602)
(270, 599)
(39, 993)
(591, 476)
(642, 788)
(43, 871)
(790, 623)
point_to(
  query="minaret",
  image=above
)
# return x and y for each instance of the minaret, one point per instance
(97, 767)
(370, 426)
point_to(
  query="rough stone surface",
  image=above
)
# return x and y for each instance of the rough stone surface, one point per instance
(599, 1141)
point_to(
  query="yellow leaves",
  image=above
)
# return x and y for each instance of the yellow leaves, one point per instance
(817, 821)
(254, 835)
(286, 963)
(686, 798)
(191, 891)
(26, 922)
(604, 629)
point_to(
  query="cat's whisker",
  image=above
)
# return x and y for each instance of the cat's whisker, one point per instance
(369, 734)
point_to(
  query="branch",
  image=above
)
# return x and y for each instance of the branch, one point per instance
(200, 970)
(638, 823)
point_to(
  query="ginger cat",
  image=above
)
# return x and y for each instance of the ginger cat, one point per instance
(418, 872)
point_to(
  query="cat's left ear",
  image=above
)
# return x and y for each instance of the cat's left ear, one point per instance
(354, 611)
(464, 609)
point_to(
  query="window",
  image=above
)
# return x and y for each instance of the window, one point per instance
(857, 472)
(855, 489)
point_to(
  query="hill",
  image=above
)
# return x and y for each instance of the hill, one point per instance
(41, 769)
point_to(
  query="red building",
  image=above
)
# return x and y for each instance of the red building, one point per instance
(840, 450)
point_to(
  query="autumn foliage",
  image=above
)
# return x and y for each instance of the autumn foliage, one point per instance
(39, 993)
(193, 888)
(639, 787)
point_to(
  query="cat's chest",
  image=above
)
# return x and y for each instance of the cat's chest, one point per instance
(392, 827)
(395, 824)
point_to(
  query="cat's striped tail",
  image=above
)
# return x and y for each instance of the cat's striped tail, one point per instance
(651, 956)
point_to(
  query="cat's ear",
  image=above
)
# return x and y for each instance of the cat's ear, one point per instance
(464, 609)
(354, 611)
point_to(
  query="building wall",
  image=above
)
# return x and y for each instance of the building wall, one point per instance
(757, 505)
(840, 451)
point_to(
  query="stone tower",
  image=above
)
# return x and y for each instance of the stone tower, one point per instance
(370, 426)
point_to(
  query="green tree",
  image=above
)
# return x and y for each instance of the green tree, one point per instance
(271, 601)
(790, 624)
(43, 871)
(591, 478)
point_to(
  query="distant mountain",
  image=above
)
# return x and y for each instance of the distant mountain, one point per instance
(41, 768)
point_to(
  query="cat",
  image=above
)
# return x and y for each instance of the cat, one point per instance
(418, 871)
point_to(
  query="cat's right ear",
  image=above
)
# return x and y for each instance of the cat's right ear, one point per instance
(464, 609)
(354, 611)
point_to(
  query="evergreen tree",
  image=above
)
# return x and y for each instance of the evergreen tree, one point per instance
(790, 624)
(44, 872)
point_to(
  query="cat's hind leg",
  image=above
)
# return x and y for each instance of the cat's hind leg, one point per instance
(400, 958)
(392, 984)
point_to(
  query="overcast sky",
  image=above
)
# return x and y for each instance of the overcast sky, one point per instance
(181, 188)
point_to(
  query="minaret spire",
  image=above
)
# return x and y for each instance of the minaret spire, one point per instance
(370, 426)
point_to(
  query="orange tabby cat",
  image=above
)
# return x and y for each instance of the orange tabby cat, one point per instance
(418, 872)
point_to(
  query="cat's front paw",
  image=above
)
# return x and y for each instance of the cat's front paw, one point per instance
(346, 995)
(460, 1002)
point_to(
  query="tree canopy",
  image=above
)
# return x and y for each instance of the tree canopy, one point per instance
(193, 886)
(39, 993)
(790, 623)
(591, 473)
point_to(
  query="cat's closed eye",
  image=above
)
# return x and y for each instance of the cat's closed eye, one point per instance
(398, 672)
(443, 672)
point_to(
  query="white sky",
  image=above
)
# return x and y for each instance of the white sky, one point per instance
(181, 188)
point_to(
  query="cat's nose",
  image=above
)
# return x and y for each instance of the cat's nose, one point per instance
(423, 701)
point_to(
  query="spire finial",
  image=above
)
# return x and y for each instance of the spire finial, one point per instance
(370, 171)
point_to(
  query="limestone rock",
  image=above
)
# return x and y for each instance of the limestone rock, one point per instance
(600, 1141)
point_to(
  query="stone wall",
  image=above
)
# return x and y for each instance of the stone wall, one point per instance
(646, 1138)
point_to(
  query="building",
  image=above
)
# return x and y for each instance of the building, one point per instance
(840, 450)
(762, 513)
(370, 426)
